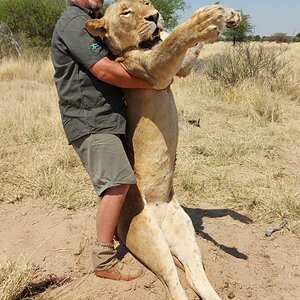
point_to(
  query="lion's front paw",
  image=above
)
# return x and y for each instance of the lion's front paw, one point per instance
(208, 22)
(233, 18)
(217, 16)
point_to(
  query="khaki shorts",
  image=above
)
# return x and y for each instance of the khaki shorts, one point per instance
(105, 160)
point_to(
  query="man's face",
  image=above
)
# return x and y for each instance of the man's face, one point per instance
(95, 4)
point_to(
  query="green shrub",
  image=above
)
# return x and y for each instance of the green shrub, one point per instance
(33, 19)
(247, 60)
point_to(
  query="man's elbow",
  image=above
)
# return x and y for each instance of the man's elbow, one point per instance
(101, 75)
(98, 73)
(101, 69)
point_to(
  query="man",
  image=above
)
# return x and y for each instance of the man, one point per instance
(93, 114)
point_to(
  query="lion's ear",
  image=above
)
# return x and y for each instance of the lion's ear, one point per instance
(96, 27)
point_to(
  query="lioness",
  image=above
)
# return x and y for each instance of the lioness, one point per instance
(153, 225)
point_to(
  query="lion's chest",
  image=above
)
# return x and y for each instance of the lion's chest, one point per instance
(152, 133)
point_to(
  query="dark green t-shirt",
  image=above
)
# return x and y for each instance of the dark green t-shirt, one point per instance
(87, 105)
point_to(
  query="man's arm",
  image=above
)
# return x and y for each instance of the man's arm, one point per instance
(112, 72)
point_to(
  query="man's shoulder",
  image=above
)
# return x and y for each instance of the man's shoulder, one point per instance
(70, 15)
(75, 11)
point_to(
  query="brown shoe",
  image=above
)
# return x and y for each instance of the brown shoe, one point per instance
(119, 271)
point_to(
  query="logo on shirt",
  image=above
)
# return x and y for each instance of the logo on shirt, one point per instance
(94, 45)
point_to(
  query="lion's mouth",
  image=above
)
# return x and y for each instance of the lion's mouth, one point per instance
(155, 33)
(153, 40)
(150, 43)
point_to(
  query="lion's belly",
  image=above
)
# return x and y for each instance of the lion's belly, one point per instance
(153, 133)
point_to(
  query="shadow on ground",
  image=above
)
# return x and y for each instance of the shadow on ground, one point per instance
(197, 214)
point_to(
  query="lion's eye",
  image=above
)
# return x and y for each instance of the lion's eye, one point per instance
(126, 13)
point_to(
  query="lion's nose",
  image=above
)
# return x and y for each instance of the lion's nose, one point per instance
(152, 18)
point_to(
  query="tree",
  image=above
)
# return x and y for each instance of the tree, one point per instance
(256, 38)
(280, 37)
(35, 20)
(240, 34)
(168, 8)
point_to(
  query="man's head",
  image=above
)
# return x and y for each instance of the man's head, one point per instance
(90, 4)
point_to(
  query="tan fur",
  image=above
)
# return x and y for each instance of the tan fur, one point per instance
(153, 225)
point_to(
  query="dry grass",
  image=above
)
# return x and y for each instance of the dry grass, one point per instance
(245, 153)
(14, 278)
(35, 159)
(29, 68)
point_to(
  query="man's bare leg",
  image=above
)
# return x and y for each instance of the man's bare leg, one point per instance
(104, 255)
(109, 212)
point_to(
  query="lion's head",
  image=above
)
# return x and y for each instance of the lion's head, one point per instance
(127, 24)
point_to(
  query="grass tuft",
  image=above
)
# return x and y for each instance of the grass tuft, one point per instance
(15, 278)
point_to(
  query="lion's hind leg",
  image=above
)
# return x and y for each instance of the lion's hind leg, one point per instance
(180, 234)
(147, 242)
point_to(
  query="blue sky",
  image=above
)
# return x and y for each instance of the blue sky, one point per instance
(267, 16)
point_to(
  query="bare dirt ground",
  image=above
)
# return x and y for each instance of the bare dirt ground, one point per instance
(240, 261)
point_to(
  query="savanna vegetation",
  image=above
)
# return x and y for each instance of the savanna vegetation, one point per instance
(239, 136)
(243, 154)
(239, 111)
